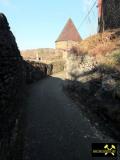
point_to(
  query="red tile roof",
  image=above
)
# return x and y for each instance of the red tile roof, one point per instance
(69, 33)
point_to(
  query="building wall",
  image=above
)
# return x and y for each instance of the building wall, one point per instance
(99, 8)
(66, 44)
(110, 16)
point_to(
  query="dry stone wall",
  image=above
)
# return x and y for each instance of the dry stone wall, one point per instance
(95, 85)
(14, 74)
(11, 80)
(86, 68)
(35, 71)
(76, 66)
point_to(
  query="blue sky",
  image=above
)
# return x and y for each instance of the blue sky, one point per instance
(38, 23)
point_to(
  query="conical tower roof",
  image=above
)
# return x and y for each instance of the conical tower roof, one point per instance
(69, 32)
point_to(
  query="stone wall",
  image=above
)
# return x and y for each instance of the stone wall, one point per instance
(34, 71)
(77, 65)
(11, 80)
(95, 85)
(110, 15)
(15, 73)
(85, 68)
(52, 60)
(66, 44)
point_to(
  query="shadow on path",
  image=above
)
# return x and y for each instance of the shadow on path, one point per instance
(55, 127)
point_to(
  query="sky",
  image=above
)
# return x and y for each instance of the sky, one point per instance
(38, 23)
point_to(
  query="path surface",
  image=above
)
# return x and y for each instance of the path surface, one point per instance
(56, 129)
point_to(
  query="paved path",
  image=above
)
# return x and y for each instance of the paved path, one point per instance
(56, 129)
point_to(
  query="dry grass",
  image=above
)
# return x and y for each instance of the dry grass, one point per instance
(32, 53)
(45, 55)
(105, 47)
(102, 43)
(112, 60)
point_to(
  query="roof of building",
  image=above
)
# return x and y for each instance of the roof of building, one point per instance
(69, 32)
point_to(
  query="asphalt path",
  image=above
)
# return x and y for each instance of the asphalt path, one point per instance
(55, 127)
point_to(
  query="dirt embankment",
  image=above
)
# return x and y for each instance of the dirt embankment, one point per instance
(102, 43)
(93, 77)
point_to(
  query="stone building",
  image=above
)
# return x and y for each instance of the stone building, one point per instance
(69, 37)
(108, 14)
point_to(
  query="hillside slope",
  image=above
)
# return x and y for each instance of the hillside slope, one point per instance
(102, 43)
(93, 78)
